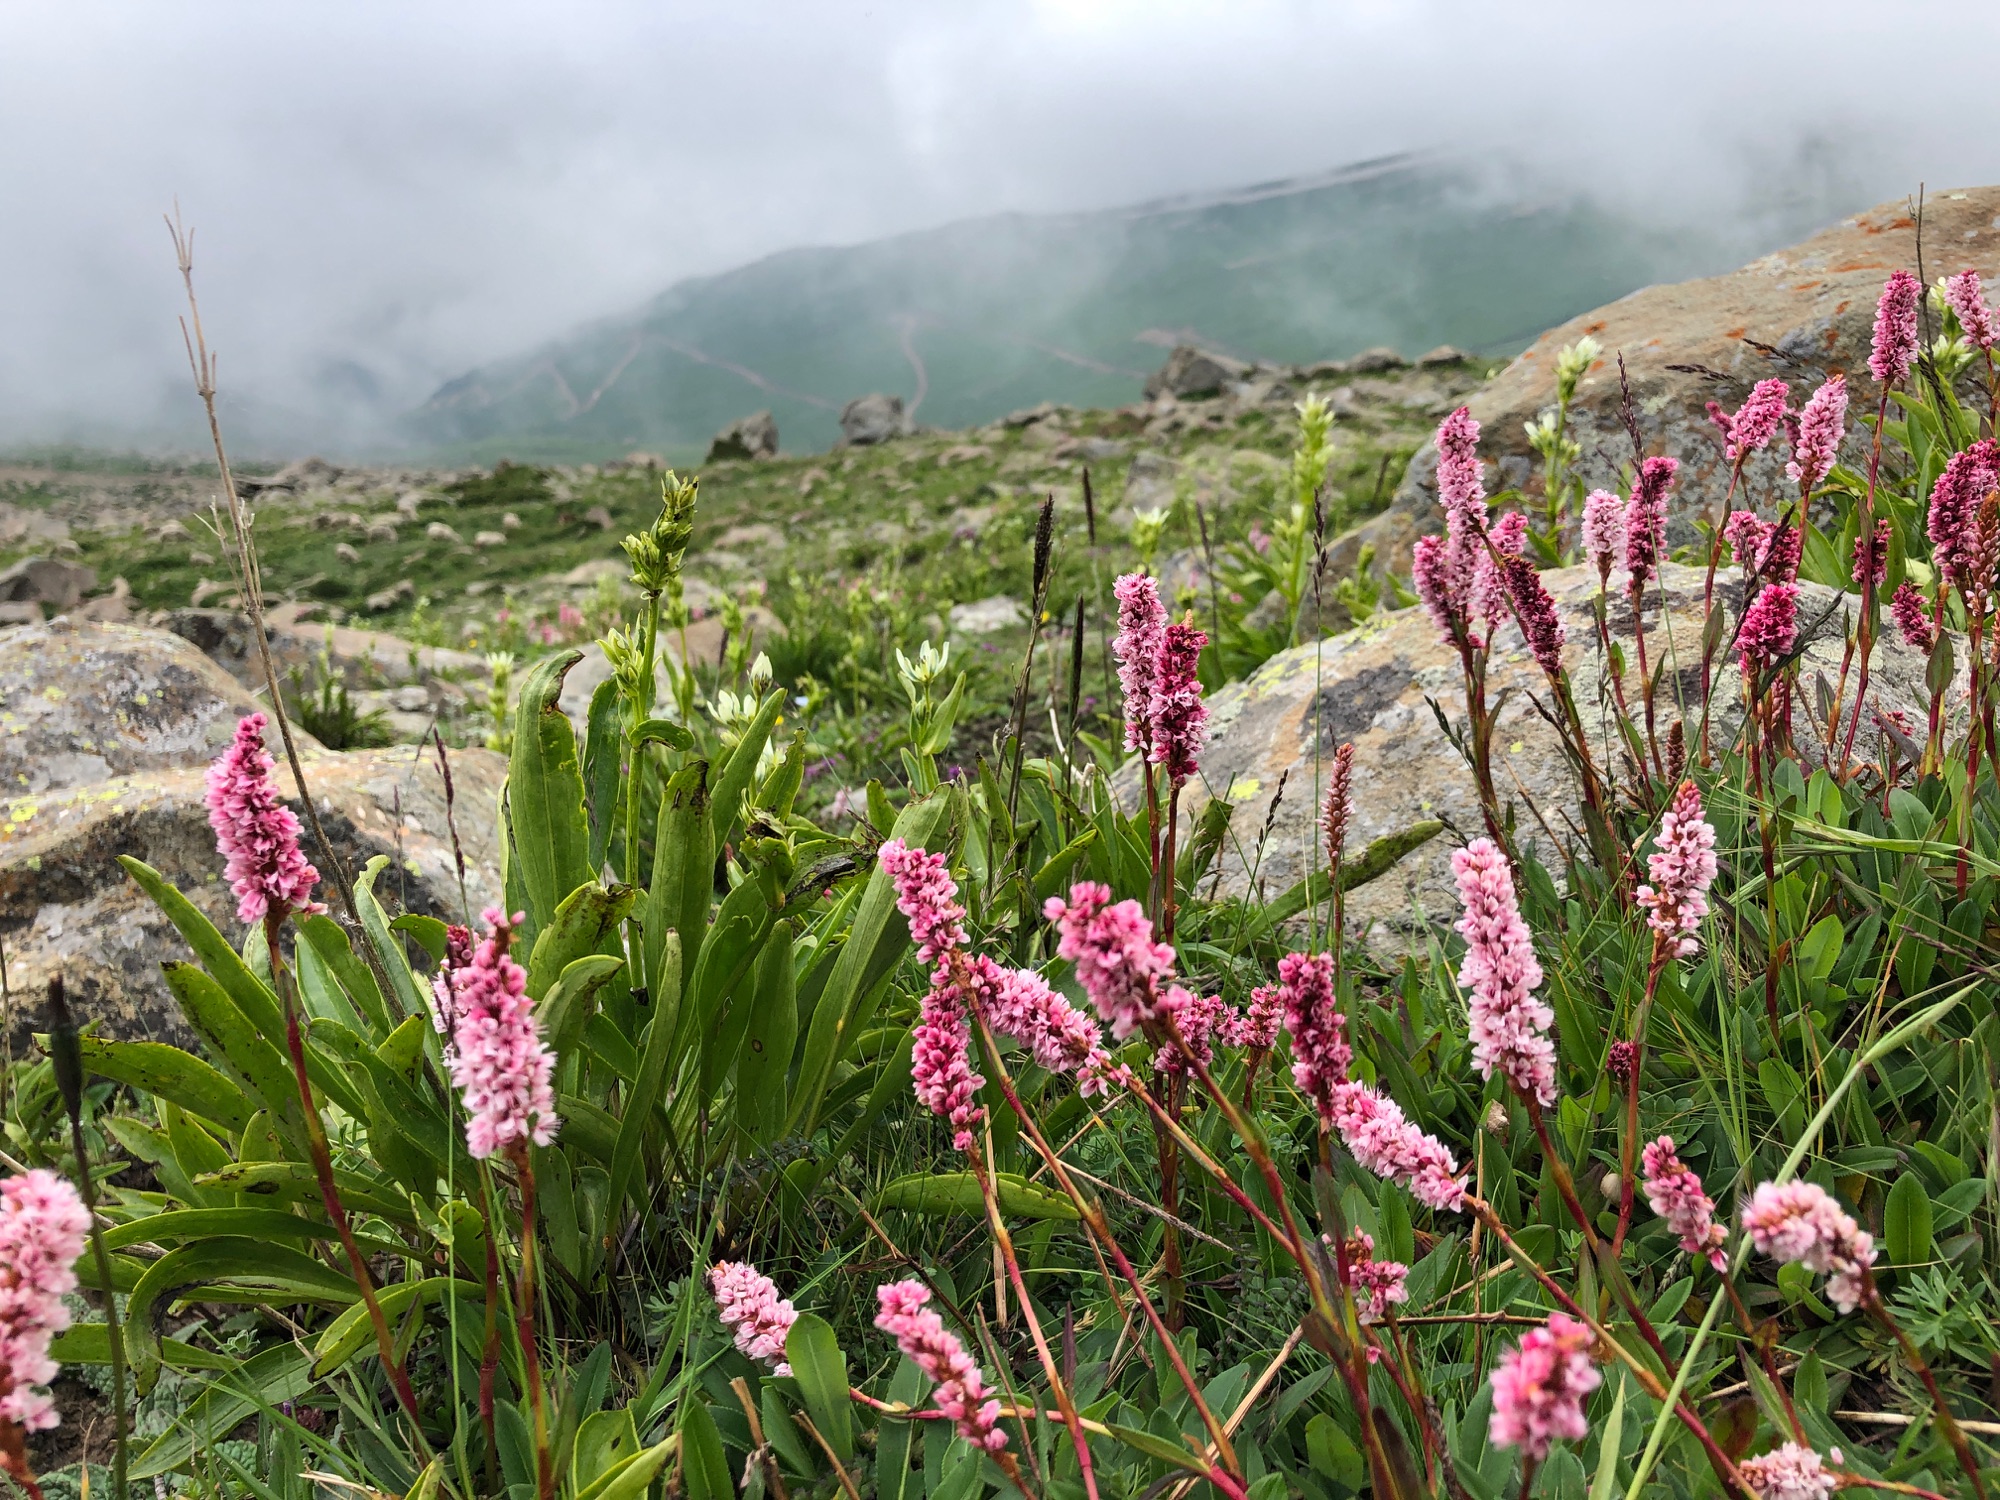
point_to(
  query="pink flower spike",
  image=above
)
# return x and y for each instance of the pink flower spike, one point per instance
(1179, 717)
(1460, 480)
(1682, 867)
(1968, 300)
(1377, 1134)
(43, 1225)
(1541, 626)
(1674, 1191)
(1756, 421)
(1895, 329)
(255, 832)
(1540, 1386)
(1603, 530)
(1202, 1020)
(1509, 1026)
(1377, 1285)
(1257, 1026)
(941, 1060)
(1338, 809)
(1799, 1221)
(1816, 443)
(1058, 1036)
(1951, 522)
(1506, 539)
(1912, 615)
(1871, 556)
(1117, 962)
(961, 1393)
(501, 1065)
(1320, 1053)
(1439, 587)
(1646, 519)
(1788, 1472)
(1142, 635)
(1748, 536)
(748, 1302)
(928, 896)
(1770, 626)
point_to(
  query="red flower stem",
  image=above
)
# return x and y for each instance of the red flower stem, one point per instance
(329, 1192)
(489, 1355)
(1953, 1433)
(524, 1315)
(1628, 1164)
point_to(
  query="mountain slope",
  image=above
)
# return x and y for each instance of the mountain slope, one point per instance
(973, 319)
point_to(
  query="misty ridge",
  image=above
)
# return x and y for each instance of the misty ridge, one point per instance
(977, 317)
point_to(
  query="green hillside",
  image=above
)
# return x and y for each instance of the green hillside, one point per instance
(977, 318)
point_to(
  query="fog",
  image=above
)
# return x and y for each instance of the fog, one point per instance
(385, 194)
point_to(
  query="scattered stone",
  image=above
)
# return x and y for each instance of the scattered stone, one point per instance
(438, 531)
(1443, 356)
(1044, 434)
(510, 522)
(1149, 482)
(754, 436)
(399, 592)
(963, 453)
(1029, 414)
(1191, 372)
(985, 616)
(204, 589)
(382, 531)
(599, 517)
(489, 539)
(408, 503)
(1377, 361)
(112, 608)
(871, 419)
(26, 612)
(347, 553)
(46, 581)
(597, 570)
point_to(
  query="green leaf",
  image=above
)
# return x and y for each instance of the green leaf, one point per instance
(1906, 1221)
(586, 918)
(781, 787)
(704, 1465)
(664, 732)
(432, 934)
(329, 944)
(208, 1223)
(223, 1269)
(821, 1371)
(294, 1182)
(571, 1000)
(236, 1044)
(250, 994)
(164, 1071)
(1165, 1450)
(603, 761)
(895, 1478)
(876, 943)
(1372, 863)
(742, 923)
(651, 1079)
(634, 1477)
(354, 1331)
(770, 1031)
(683, 882)
(603, 1438)
(90, 1344)
(412, 998)
(958, 1193)
(545, 794)
(278, 1374)
(403, 1048)
(735, 776)
(1604, 1483)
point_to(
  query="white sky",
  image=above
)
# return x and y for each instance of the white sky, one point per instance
(417, 185)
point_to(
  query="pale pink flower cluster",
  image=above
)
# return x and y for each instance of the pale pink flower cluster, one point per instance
(1256, 1025)
(43, 1225)
(1119, 965)
(1509, 1026)
(1646, 519)
(1816, 439)
(1378, 1285)
(1445, 567)
(748, 1303)
(256, 834)
(941, 1058)
(1603, 530)
(1142, 634)
(1381, 1138)
(1769, 628)
(927, 896)
(961, 1393)
(1749, 538)
(1674, 1191)
(1202, 1021)
(1755, 422)
(1058, 1036)
(1506, 539)
(1799, 1221)
(1895, 328)
(1952, 520)
(1968, 300)
(1682, 867)
(1320, 1051)
(1180, 718)
(1789, 1472)
(501, 1065)
(1539, 1387)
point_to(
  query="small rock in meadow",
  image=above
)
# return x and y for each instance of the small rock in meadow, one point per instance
(438, 531)
(489, 539)
(347, 552)
(985, 616)
(381, 531)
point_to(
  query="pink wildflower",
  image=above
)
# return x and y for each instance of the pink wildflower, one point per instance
(961, 1393)
(1788, 1472)
(1912, 615)
(1955, 496)
(1058, 1036)
(1756, 421)
(1603, 530)
(1968, 300)
(1320, 1053)
(43, 1225)
(1799, 1221)
(1770, 626)
(1439, 587)
(1871, 556)
(1539, 1387)
(255, 832)
(1117, 962)
(1202, 1020)
(1338, 808)
(1142, 635)
(1460, 480)
(928, 896)
(1509, 1026)
(1541, 626)
(1381, 1138)
(941, 1061)
(1377, 1285)
(748, 1302)
(1256, 1026)
(1816, 443)
(501, 1065)
(1895, 329)
(1179, 717)
(1749, 538)
(1674, 1190)
(1446, 569)
(1646, 519)
(1489, 580)
(444, 1007)
(1682, 867)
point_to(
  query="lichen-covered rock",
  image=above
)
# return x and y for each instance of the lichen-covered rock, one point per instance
(1370, 684)
(67, 907)
(82, 701)
(1799, 314)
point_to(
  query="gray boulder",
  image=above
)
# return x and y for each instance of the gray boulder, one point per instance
(754, 436)
(871, 419)
(1191, 373)
(52, 582)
